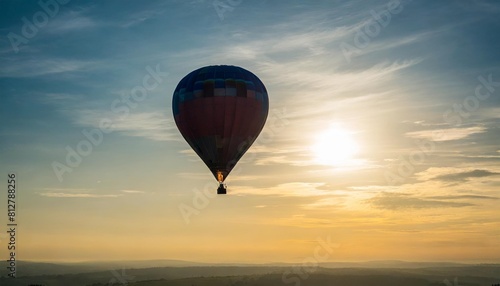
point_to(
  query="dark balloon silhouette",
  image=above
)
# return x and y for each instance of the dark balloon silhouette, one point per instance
(220, 111)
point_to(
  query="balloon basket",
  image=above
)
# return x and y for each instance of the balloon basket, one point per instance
(221, 190)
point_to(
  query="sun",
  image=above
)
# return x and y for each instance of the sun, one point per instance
(335, 147)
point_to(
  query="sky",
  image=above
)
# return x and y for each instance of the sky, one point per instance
(381, 141)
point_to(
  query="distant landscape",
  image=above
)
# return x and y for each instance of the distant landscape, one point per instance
(173, 272)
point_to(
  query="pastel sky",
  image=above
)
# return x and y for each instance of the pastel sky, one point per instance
(414, 86)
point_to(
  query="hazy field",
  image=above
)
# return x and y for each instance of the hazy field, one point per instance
(179, 273)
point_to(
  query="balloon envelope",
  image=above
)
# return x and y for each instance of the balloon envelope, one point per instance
(220, 111)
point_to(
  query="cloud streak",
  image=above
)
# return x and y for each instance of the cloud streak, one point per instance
(448, 134)
(76, 195)
(83, 193)
(464, 176)
(71, 21)
(294, 189)
(400, 201)
(26, 67)
(152, 125)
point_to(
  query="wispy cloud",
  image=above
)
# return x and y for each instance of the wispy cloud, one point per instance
(132, 192)
(454, 174)
(464, 176)
(76, 195)
(71, 21)
(153, 125)
(25, 67)
(302, 221)
(464, 197)
(141, 16)
(386, 45)
(289, 159)
(295, 189)
(326, 203)
(398, 201)
(84, 193)
(446, 134)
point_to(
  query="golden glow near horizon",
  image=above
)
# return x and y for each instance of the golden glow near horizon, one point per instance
(335, 146)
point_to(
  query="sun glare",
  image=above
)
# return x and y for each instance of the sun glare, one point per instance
(335, 147)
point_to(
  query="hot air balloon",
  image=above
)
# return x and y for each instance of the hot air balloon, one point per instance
(220, 111)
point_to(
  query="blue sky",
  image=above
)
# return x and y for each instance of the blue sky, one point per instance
(404, 90)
